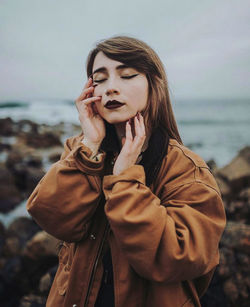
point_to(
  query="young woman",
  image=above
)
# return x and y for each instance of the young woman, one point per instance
(140, 216)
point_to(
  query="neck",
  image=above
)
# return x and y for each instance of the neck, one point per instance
(121, 134)
(120, 131)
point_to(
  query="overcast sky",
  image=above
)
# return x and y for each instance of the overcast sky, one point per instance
(204, 45)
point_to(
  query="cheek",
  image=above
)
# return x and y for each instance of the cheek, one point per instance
(142, 96)
(98, 91)
(99, 107)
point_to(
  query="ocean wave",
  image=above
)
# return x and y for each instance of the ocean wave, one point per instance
(14, 104)
(208, 122)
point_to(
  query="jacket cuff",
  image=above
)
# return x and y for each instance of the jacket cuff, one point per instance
(134, 173)
(83, 161)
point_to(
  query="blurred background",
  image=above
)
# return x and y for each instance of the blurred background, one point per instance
(205, 47)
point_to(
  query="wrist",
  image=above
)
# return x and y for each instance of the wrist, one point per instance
(94, 147)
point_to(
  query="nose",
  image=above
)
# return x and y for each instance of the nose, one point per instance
(110, 91)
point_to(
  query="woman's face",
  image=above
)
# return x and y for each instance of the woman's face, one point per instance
(124, 90)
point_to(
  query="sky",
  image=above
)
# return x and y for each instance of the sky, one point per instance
(204, 45)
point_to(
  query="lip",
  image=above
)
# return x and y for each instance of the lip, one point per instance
(113, 104)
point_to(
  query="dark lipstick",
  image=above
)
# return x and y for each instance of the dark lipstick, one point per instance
(113, 104)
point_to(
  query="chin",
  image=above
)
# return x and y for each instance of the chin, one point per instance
(116, 119)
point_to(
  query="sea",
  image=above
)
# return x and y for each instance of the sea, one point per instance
(215, 129)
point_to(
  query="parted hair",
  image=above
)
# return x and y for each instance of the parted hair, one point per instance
(137, 54)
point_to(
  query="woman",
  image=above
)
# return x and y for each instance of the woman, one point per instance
(139, 214)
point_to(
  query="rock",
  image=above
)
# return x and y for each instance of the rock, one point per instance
(32, 176)
(10, 196)
(45, 140)
(32, 300)
(6, 126)
(41, 245)
(223, 186)
(17, 234)
(12, 247)
(245, 195)
(2, 238)
(238, 210)
(234, 268)
(27, 168)
(23, 227)
(237, 173)
(11, 281)
(46, 280)
(55, 153)
(212, 165)
(237, 237)
(27, 127)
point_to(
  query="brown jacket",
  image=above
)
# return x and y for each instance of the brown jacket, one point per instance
(163, 239)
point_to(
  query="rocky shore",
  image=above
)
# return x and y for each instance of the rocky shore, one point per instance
(28, 255)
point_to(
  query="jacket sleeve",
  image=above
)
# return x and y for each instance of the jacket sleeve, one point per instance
(169, 239)
(66, 197)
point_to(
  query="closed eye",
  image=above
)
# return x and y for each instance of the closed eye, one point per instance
(99, 81)
(129, 77)
(123, 77)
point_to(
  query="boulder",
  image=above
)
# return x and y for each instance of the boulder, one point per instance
(46, 280)
(41, 245)
(55, 153)
(2, 238)
(234, 268)
(223, 186)
(26, 167)
(237, 237)
(10, 195)
(17, 234)
(237, 173)
(27, 126)
(32, 300)
(6, 126)
(45, 140)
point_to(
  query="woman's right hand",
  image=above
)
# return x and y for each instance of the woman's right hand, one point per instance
(92, 124)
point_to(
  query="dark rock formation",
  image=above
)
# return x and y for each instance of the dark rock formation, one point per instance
(10, 195)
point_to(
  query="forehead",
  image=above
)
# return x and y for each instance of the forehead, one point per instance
(101, 60)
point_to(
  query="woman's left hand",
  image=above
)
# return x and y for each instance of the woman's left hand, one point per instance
(131, 145)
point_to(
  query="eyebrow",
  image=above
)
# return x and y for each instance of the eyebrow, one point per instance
(104, 69)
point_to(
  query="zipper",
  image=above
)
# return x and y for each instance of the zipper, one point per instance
(96, 262)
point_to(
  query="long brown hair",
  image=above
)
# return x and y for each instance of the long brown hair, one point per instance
(137, 54)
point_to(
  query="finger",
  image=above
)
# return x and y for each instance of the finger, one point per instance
(88, 83)
(84, 94)
(142, 125)
(91, 99)
(94, 108)
(139, 132)
(129, 137)
(137, 126)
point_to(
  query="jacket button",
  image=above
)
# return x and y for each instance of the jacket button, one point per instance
(92, 237)
(74, 305)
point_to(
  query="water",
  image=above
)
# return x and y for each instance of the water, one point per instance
(215, 129)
